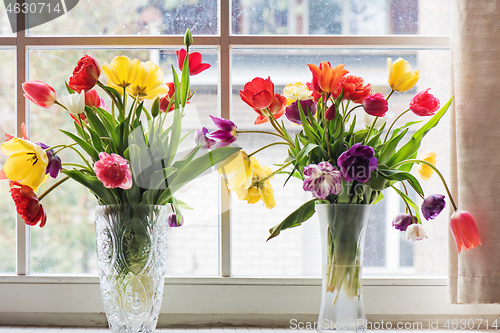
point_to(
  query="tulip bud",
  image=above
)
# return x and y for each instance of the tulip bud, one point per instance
(415, 232)
(330, 113)
(39, 93)
(376, 105)
(188, 38)
(464, 230)
(424, 170)
(173, 222)
(424, 104)
(432, 206)
(403, 221)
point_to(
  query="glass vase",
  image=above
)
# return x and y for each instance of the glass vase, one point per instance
(131, 251)
(342, 233)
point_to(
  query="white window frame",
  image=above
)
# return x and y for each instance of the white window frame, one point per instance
(75, 300)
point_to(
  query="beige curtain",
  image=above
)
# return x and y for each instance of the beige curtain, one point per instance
(475, 275)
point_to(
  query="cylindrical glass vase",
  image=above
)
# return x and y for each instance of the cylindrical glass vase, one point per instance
(342, 233)
(131, 251)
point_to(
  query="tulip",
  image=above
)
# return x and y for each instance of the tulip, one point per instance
(322, 180)
(173, 221)
(426, 171)
(401, 77)
(92, 99)
(376, 105)
(296, 91)
(325, 78)
(464, 230)
(54, 165)
(39, 93)
(331, 112)
(27, 204)
(432, 206)
(357, 163)
(258, 93)
(75, 103)
(415, 232)
(27, 162)
(403, 221)
(260, 187)
(85, 74)
(276, 109)
(113, 171)
(236, 170)
(227, 132)
(315, 95)
(121, 72)
(148, 83)
(293, 114)
(165, 101)
(195, 62)
(424, 104)
(354, 88)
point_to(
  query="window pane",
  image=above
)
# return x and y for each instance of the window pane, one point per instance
(7, 125)
(296, 251)
(344, 17)
(139, 17)
(67, 243)
(5, 26)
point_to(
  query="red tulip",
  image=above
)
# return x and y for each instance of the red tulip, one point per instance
(376, 105)
(85, 74)
(354, 88)
(92, 99)
(325, 78)
(27, 204)
(258, 93)
(464, 230)
(314, 94)
(39, 93)
(277, 108)
(195, 64)
(424, 104)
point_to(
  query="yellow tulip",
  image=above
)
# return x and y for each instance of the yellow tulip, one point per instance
(149, 82)
(121, 71)
(426, 171)
(401, 77)
(259, 189)
(296, 91)
(27, 162)
(237, 171)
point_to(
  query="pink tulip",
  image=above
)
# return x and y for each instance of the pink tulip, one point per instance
(464, 230)
(424, 104)
(39, 93)
(376, 105)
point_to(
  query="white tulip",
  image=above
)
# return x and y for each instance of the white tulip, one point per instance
(75, 102)
(415, 232)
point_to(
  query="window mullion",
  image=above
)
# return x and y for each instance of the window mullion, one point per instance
(22, 230)
(225, 103)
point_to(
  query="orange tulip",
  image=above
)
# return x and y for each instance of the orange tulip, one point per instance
(464, 230)
(325, 78)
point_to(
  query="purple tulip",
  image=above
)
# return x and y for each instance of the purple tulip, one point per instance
(227, 132)
(55, 164)
(403, 221)
(200, 137)
(173, 222)
(432, 206)
(322, 180)
(357, 163)
(292, 111)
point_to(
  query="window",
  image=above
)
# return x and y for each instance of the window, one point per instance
(222, 237)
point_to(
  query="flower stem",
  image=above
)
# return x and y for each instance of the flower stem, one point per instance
(52, 187)
(267, 146)
(74, 164)
(370, 130)
(124, 101)
(349, 112)
(63, 147)
(57, 102)
(389, 130)
(390, 94)
(430, 165)
(275, 172)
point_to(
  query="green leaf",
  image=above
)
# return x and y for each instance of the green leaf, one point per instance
(181, 204)
(410, 202)
(194, 169)
(389, 147)
(401, 176)
(185, 81)
(175, 136)
(71, 91)
(177, 85)
(301, 214)
(149, 197)
(94, 154)
(116, 94)
(379, 198)
(411, 147)
(133, 194)
(105, 195)
(155, 109)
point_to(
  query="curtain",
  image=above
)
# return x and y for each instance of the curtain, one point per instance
(474, 276)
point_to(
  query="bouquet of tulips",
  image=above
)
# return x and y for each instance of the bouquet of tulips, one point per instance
(337, 161)
(132, 152)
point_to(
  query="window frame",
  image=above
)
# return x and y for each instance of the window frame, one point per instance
(76, 301)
